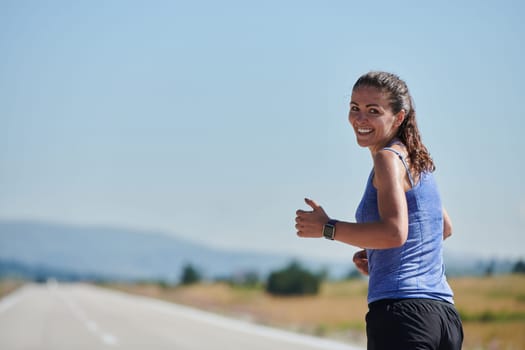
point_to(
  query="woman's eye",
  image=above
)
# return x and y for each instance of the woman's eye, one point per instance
(373, 111)
(354, 108)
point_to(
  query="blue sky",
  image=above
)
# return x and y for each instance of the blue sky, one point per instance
(213, 120)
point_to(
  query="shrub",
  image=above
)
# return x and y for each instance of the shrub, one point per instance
(293, 280)
(190, 275)
(519, 267)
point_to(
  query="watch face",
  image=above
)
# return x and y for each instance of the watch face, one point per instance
(328, 231)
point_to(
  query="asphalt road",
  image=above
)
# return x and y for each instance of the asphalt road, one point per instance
(78, 316)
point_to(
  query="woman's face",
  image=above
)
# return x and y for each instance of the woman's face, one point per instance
(371, 117)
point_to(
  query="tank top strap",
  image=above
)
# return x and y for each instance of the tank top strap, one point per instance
(404, 163)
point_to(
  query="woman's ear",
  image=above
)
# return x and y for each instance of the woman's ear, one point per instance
(400, 117)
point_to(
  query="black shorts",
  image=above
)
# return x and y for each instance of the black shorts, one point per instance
(407, 324)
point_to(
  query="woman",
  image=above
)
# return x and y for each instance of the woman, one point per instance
(401, 224)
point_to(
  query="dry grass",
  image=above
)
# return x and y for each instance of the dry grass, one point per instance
(495, 294)
(494, 335)
(493, 308)
(8, 286)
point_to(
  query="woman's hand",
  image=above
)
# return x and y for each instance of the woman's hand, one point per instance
(361, 262)
(310, 223)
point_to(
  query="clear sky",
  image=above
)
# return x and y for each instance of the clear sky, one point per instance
(212, 120)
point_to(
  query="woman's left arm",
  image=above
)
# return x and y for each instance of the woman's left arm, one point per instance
(447, 225)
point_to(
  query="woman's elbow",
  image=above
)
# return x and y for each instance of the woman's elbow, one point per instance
(398, 236)
(399, 240)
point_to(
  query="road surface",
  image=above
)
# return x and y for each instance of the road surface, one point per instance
(79, 316)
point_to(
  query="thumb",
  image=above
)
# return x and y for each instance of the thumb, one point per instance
(312, 203)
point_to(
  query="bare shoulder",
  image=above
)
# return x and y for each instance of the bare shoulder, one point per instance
(385, 159)
(388, 168)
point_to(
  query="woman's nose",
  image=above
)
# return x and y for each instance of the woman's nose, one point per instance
(358, 116)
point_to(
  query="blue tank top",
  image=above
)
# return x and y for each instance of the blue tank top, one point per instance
(416, 269)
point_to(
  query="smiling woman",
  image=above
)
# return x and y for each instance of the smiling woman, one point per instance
(378, 103)
(400, 222)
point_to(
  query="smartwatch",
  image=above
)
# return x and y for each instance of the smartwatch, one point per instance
(329, 229)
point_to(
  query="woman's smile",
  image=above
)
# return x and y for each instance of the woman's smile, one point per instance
(364, 131)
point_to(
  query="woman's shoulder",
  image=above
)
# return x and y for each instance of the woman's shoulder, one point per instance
(390, 156)
(387, 167)
(393, 161)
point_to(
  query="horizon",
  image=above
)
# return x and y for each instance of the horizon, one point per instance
(79, 253)
(172, 235)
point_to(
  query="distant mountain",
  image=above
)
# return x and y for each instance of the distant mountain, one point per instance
(36, 248)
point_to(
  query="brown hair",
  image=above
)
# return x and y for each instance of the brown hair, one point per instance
(408, 133)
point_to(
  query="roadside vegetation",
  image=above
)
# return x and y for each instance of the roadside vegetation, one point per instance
(9, 285)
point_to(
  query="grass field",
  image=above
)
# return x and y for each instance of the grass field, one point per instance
(493, 311)
(492, 308)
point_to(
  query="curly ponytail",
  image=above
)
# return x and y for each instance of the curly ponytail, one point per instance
(400, 99)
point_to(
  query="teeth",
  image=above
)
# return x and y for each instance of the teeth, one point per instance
(364, 131)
